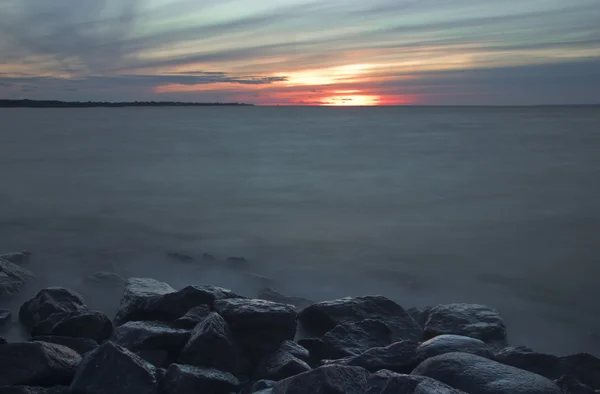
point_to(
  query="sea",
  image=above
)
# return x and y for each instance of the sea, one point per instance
(425, 205)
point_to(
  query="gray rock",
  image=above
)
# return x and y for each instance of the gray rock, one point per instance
(138, 296)
(453, 343)
(262, 385)
(322, 317)
(48, 302)
(155, 342)
(36, 364)
(274, 296)
(281, 365)
(294, 349)
(478, 375)
(91, 324)
(570, 385)
(182, 257)
(34, 390)
(186, 379)
(45, 326)
(12, 278)
(329, 379)
(192, 317)
(16, 257)
(5, 318)
(258, 326)
(236, 262)
(398, 357)
(3, 341)
(212, 345)
(471, 320)
(113, 369)
(584, 367)
(80, 345)
(388, 382)
(106, 279)
(420, 315)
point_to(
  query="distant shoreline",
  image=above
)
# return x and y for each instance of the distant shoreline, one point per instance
(95, 104)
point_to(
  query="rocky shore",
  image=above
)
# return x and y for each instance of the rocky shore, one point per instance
(210, 340)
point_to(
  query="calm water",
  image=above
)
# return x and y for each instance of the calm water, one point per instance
(424, 205)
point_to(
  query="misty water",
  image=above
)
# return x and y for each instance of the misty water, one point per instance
(498, 206)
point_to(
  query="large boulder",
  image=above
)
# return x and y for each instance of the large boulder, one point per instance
(186, 379)
(138, 294)
(453, 343)
(12, 278)
(570, 385)
(48, 302)
(471, 320)
(192, 317)
(294, 349)
(45, 326)
(420, 315)
(274, 296)
(34, 390)
(212, 345)
(478, 375)
(113, 369)
(398, 357)
(80, 345)
(584, 367)
(91, 324)
(155, 342)
(36, 364)
(16, 257)
(388, 382)
(281, 365)
(5, 318)
(322, 317)
(329, 379)
(259, 326)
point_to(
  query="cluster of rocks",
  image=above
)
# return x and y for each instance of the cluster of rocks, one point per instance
(210, 340)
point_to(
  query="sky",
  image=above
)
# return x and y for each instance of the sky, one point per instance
(303, 52)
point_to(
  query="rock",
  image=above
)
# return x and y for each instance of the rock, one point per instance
(208, 257)
(262, 385)
(12, 278)
(450, 344)
(34, 390)
(420, 315)
(584, 367)
(388, 382)
(211, 345)
(91, 324)
(471, 320)
(186, 379)
(294, 349)
(192, 317)
(45, 326)
(36, 364)
(155, 342)
(329, 379)
(398, 357)
(352, 339)
(138, 293)
(3, 341)
(258, 326)
(281, 365)
(236, 262)
(478, 375)
(322, 317)
(80, 345)
(5, 318)
(113, 369)
(570, 385)
(106, 278)
(16, 257)
(180, 257)
(274, 296)
(48, 302)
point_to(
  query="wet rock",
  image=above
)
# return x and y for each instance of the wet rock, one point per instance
(106, 278)
(192, 317)
(12, 278)
(186, 379)
(352, 339)
(45, 326)
(388, 382)
(212, 345)
(478, 375)
(420, 315)
(155, 342)
(258, 326)
(186, 258)
(113, 369)
(91, 324)
(322, 317)
(398, 357)
(471, 320)
(5, 318)
(452, 343)
(80, 345)
(570, 385)
(36, 364)
(584, 367)
(262, 385)
(48, 302)
(329, 379)
(294, 349)
(138, 294)
(16, 257)
(34, 390)
(274, 296)
(281, 365)
(525, 358)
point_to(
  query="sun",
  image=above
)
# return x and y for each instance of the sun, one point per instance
(351, 100)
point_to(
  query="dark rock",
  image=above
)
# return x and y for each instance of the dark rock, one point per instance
(36, 364)
(34, 390)
(180, 256)
(160, 374)
(471, 320)
(45, 326)
(478, 375)
(281, 365)
(524, 358)
(294, 349)
(262, 385)
(208, 257)
(155, 342)
(3, 341)
(274, 296)
(420, 315)
(80, 345)
(192, 317)
(398, 357)
(584, 367)
(236, 261)
(570, 385)
(16, 257)
(12, 278)
(113, 369)
(329, 379)
(138, 294)
(5, 318)
(211, 345)
(48, 302)
(186, 379)
(322, 317)
(450, 344)
(352, 339)
(106, 278)
(259, 326)
(388, 382)
(92, 324)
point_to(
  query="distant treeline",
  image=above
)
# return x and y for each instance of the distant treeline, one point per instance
(91, 104)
